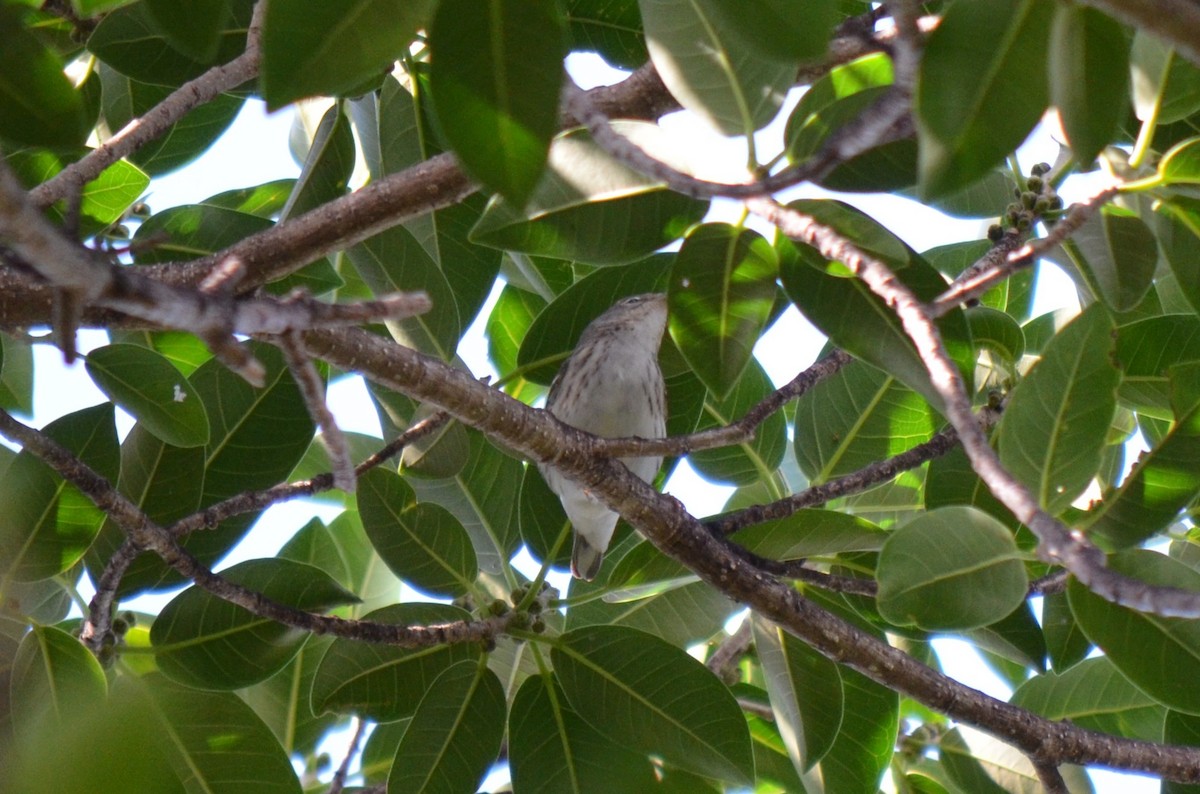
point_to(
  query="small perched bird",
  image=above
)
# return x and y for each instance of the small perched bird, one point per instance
(610, 386)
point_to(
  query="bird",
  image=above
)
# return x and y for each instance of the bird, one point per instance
(610, 386)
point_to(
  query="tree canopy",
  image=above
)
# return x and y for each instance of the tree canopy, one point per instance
(949, 466)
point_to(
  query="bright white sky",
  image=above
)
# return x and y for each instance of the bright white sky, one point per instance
(255, 151)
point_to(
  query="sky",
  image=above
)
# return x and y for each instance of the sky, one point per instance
(254, 151)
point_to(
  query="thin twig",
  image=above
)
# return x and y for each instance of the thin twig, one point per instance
(338, 783)
(312, 388)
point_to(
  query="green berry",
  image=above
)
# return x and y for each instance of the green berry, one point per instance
(995, 232)
(1035, 183)
(1040, 169)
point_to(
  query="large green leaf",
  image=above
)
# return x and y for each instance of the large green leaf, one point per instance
(454, 735)
(982, 88)
(950, 569)
(327, 167)
(154, 735)
(146, 385)
(130, 40)
(982, 764)
(496, 78)
(1057, 418)
(102, 201)
(1159, 655)
(206, 642)
(543, 521)
(1177, 230)
(857, 416)
(53, 676)
(722, 77)
(1093, 694)
(756, 459)
(615, 678)
(788, 30)
(590, 207)
(335, 47)
(421, 542)
(343, 550)
(47, 524)
(805, 690)
(721, 294)
(1089, 77)
(1117, 254)
(1165, 85)
(393, 261)
(385, 682)
(38, 104)
(1164, 480)
(553, 751)
(193, 28)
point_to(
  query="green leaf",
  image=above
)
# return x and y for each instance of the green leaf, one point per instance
(1164, 84)
(193, 231)
(332, 48)
(1146, 351)
(282, 701)
(833, 102)
(266, 200)
(393, 261)
(496, 79)
(386, 682)
(157, 736)
(722, 77)
(557, 328)
(1159, 655)
(421, 542)
(982, 764)
(103, 200)
(327, 168)
(1178, 232)
(1057, 418)
(981, 90)
(950, 569)
(124, 100)
(680, 615)
(205, 642)
(16, 375)
(1117, 254)
(721, 294)
(1181, 164)
(1095, 695)
(552, 750)
(47, 524)
(753, 460)
(857, 416)
(454, 735)
(852, 316)
(193, 28)
(952, 481)
(507, 327)
(787, 30)
(1089, 77)
(805, 690)
(480, 496)
(998, 333)
(38, 104)
(130, 40)
(590, 207)
(1163, 481)
(146, 385)
(615, 678)
(53, 676)
(1065, 643)
(612, 29)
